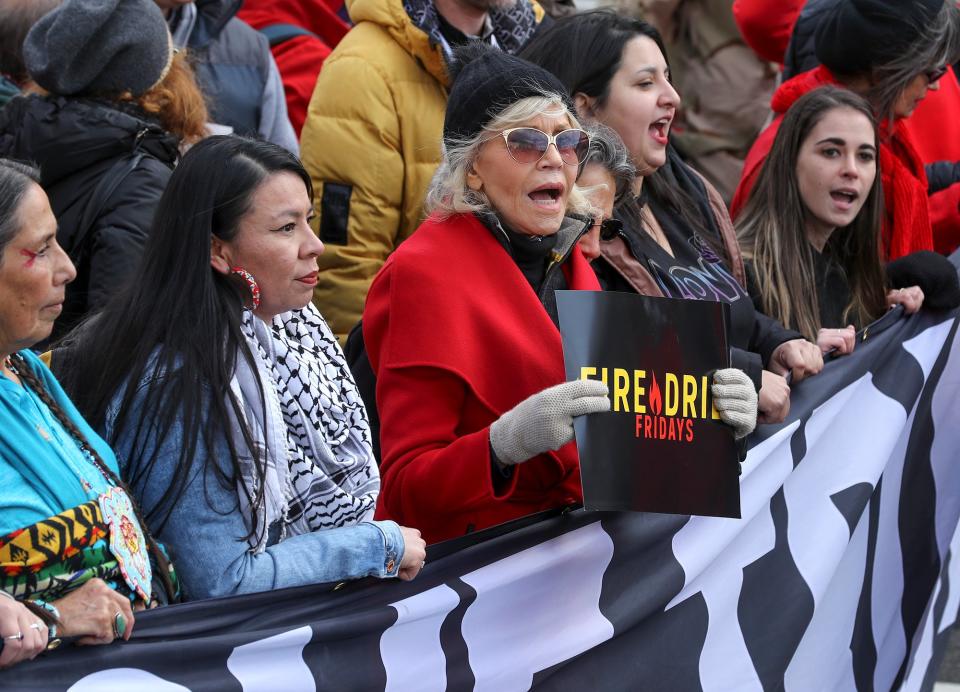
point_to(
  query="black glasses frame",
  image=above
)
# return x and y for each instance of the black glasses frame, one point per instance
(610, 228)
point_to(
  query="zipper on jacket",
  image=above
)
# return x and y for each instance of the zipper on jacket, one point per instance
(558, 258)
(139, 138)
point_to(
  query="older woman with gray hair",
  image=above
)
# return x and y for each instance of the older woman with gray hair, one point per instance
(76, 558)
(606, 179)
(461, 323)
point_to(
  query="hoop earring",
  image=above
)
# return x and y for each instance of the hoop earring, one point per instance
(251, 284)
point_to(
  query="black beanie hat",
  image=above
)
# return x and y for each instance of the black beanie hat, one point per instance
(99, 47)
(486, 81)
(857, 35)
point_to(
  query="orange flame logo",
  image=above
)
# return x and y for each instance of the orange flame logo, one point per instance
(656, 403)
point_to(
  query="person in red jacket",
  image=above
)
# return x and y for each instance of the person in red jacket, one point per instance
(301, 33)
(783, 32)
(461, 323)
(767, 26)
(892, 53)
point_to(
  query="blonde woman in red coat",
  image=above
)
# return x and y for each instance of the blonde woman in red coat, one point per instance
(461, 325)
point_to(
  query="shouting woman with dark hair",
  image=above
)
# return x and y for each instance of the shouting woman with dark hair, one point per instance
(227, 399)
(118, 104)
(73, 548)
(818, 201)
(676, 238)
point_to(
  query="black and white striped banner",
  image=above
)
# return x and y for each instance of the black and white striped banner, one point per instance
(842, 574)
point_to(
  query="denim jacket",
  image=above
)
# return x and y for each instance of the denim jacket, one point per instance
(205, 532)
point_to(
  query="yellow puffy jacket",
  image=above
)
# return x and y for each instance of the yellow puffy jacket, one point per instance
(371, 142)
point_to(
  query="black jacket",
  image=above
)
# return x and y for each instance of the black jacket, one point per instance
(753, 336)
(801, 55)
(76, 142)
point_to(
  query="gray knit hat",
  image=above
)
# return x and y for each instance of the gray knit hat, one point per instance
(99, 47)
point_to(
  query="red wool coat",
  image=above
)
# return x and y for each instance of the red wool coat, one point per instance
(456, 338)
(907, 225)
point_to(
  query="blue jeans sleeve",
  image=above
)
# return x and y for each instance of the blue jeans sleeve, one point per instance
(393, 546)
(206, 530)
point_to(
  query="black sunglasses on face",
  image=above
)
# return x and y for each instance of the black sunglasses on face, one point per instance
(609, 229)
(935, 74)
(529, 145)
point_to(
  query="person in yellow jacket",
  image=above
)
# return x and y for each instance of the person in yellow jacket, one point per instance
(371, 141)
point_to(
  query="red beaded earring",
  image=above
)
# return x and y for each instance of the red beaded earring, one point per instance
(250, 283)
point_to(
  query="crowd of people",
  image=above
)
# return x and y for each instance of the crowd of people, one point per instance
(228, 370)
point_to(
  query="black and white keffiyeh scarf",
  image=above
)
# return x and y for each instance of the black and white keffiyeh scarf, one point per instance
(320, 469)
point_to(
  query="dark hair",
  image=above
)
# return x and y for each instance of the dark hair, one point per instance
(30, 379)
(585, 51)
(16, 19)
(935, 42)
(15, 181)
(772, 228)
(171, 339)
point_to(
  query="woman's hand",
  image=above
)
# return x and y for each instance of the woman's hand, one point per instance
(798, 357)
(774, 398)
(91, 611)
(840, 340)
(24, 634)
(735, 400)
(544, 421)
(910, 298)
(414, 553)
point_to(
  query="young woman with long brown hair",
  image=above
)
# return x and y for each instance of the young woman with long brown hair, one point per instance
(810, 233)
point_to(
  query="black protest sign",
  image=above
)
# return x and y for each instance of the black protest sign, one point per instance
(662, 447)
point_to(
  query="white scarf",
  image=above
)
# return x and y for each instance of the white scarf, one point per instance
(315, 439)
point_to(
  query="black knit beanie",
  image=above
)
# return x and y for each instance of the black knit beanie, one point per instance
(486, 81)
(99, 47)
(858, 35)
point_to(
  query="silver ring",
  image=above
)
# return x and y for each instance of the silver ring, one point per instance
(18, 636)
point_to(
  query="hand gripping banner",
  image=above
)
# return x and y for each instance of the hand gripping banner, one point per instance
(842, 574)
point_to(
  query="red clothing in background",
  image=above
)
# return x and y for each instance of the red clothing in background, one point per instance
(907, 227)
(299, 59)
(457, 338)
(767, 26)
(935, 131)
(934, 127)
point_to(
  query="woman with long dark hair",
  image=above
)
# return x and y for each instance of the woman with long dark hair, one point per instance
(677, 239)
(225, 394)
(818, 201)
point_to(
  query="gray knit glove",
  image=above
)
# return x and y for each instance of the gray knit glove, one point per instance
(544, 421)
(735, 399)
